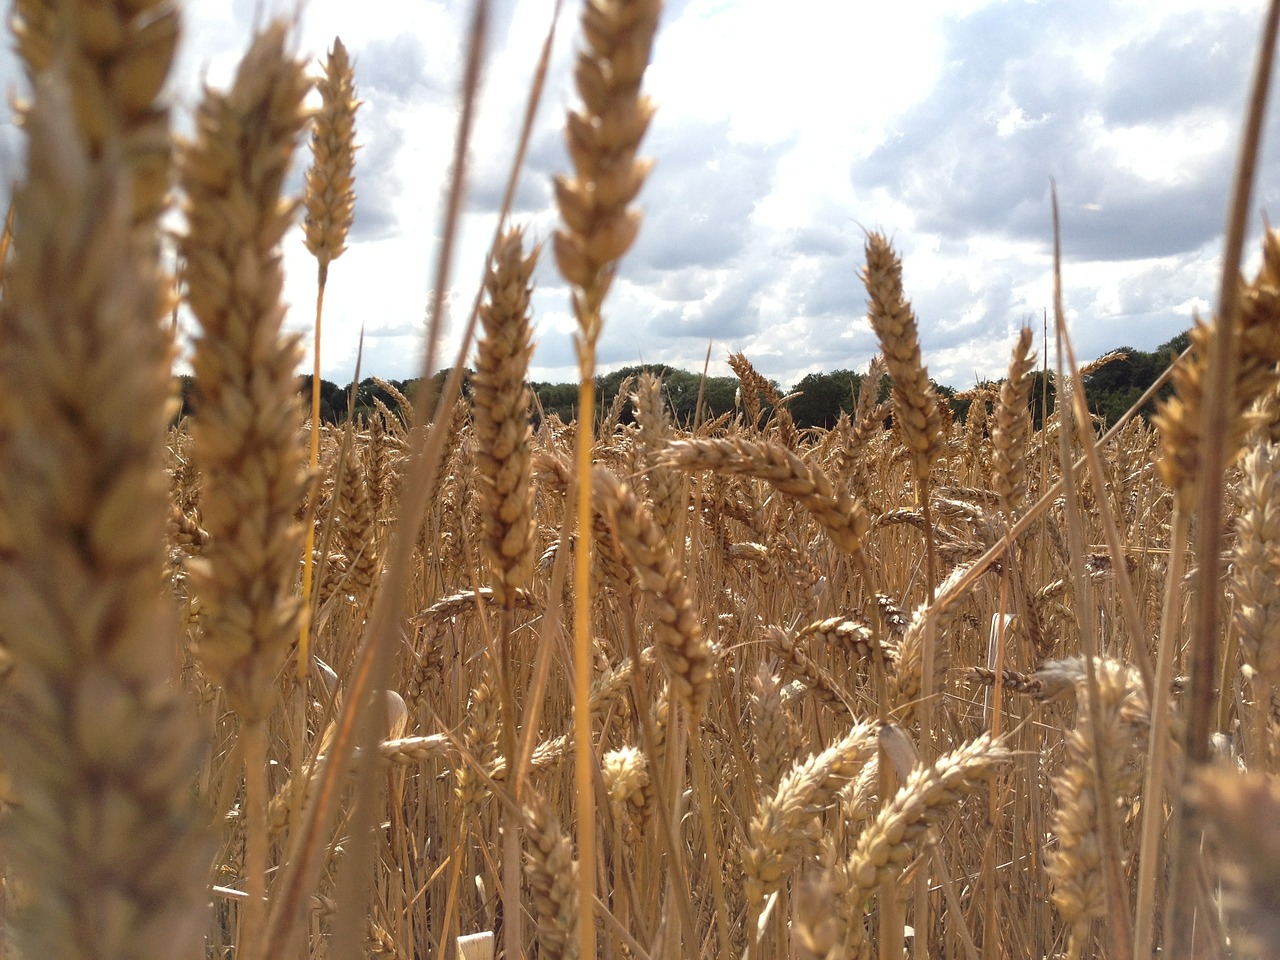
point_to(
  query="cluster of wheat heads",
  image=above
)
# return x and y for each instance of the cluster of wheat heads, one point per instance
(652, 689)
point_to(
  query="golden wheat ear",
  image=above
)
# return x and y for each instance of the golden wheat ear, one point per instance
(246, 431)
(106, 840)
(245, 434)
(1012, 430)
(119, 54)
(500, 405)
(330, 211)
(915, 402)
(330, 195)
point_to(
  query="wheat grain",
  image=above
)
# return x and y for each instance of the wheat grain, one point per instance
(501, 417)
(245, 435)
(106, 839)
(843, 518)
(784, 824)
(1012, 429)
(915, 402)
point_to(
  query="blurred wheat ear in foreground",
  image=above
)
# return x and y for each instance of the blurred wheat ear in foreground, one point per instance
(107, 847)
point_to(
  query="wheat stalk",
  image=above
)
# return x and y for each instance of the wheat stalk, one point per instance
(599, 227)
(245, 438)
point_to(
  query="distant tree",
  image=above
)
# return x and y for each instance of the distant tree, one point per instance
(1112, 389)
(186, 396)
(1043, 398)
(333, 399)
(680, 389)
(560, 399)
(823, 396)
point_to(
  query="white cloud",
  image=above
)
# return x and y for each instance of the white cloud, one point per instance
(784, 132)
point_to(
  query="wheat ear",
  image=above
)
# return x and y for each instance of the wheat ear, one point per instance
(500, 405)
(686, 655)
(1076, 866)
(1257, 352)
(245, 433)
(893, 839)
(245, 437)
(107, 837)
(915, 402)
(754, 387)
(500, 421)
(330, 205)
(784, 826)
(357, 531)
(553, 880)
(666, 490)
(772, 733)
(1012, 430)
(117, 56)
(599, 227)
(843, 518)
(797, 663)
(1255, 585)
(330, 196)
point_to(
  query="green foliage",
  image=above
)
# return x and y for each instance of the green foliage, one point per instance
(559, 399)
(1111, 390)
(823, 396)
(1115, 387)
(333, 400)
(680, 389)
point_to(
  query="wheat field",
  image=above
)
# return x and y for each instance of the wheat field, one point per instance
(457, 679)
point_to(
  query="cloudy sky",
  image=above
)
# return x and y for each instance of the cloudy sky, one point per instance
(780, 139)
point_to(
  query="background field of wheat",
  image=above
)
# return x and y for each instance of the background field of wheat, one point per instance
(436, 683)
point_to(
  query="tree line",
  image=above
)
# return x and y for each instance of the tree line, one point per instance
(816, 401)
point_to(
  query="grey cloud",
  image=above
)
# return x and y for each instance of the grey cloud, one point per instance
(378, 185)
(699, 199)
(823, 240)
(403, 328)
(680, 285)
(1128, 219)
(832, 289)
(1194, 61)
(395, 357)
(489, 185)
(948, 161)
(552, 350)
(730, 313)
(545, 156)
(780, 360)
(397, 68)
